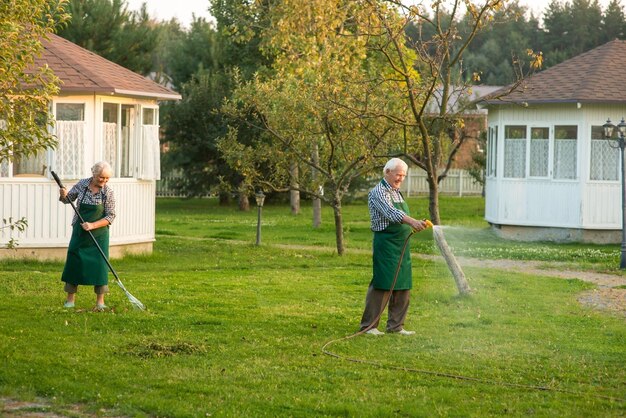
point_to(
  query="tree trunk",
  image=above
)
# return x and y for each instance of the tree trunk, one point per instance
(224, 198)
(433, 198)
(316, 201)
(338, 226)
(244, 202)
(294, 194)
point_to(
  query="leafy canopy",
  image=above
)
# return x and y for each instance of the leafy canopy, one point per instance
(25, 91)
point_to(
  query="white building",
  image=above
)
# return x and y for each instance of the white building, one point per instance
(550, 173)
(103, 112)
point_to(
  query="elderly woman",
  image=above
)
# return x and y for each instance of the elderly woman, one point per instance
(85, 265)
(392, 224)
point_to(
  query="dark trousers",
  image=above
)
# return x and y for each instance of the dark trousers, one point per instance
(396, 312)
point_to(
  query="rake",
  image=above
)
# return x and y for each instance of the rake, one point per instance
(133, 300)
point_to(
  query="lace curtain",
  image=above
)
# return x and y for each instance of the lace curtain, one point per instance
(515, 158)
(68, 160)
(605, 163)
(151, 159)
(565, 159)
(109, 137)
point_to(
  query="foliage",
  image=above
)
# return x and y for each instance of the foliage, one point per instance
(19, 225)
(192, 52)
(479, 160)
(107, 28)
(192, 127)
(433, 127)
(25, 91)
(323, 106)
(236, 330)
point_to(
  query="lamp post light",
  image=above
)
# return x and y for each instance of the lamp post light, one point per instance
(260, 198)
(621, 134)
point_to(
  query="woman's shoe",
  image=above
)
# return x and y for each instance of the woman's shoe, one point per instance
(68, 304)
(100, 307)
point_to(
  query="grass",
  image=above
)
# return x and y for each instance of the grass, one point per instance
(233, 329)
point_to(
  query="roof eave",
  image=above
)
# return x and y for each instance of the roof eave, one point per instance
(561, 101)
(152, 95)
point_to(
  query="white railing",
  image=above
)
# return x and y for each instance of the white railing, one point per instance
(49, 221)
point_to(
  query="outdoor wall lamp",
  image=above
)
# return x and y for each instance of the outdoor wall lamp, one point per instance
(608, 128)
(260, 199)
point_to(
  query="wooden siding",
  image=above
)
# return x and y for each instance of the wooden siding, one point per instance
(49, 221)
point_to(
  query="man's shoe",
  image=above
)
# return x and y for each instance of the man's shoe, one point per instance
(405, 332)
(374, 331)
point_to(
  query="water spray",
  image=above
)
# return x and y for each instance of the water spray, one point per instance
(464, 288)
(453, 265)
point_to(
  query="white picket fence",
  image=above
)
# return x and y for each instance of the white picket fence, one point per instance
(457, 183)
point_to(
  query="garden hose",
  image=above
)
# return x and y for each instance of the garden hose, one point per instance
(444, 374)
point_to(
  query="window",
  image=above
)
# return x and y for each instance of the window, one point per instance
(565, 145)
(120, 137)
(539, 151)
(150, 152)
(110, 117)
(515, 151)
(492, 151)
(70, 132)
(604, 164)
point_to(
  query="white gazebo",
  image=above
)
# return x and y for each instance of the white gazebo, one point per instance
(551, 175)
(103, 112)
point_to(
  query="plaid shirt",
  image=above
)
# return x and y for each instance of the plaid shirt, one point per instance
(380, 202)
(80, 192)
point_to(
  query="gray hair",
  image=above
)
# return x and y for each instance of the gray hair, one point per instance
(393, 164)
(101, 166)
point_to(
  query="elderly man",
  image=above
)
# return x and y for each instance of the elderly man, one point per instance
(392, 225)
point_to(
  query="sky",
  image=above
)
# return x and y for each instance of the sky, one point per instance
(183, 9)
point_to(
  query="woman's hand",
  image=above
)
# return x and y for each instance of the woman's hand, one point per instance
(87, 226)
(63, 193)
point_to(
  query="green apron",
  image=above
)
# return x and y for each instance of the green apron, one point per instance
(85, 264)
(388, 245)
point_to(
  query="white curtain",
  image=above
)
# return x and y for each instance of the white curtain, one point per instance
(69, 155)
(151, 158)
(565, 159)
(109, 136)
(604, 160)
(515, 158)
(539, 149)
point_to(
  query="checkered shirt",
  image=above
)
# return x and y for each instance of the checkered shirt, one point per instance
(380, 202)
(81, 194)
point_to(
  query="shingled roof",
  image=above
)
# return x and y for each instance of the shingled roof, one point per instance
(82, 71)
(596, 76)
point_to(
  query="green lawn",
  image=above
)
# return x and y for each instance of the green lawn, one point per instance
(233, 329)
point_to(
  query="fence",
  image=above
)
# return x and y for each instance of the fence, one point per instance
(457, 183)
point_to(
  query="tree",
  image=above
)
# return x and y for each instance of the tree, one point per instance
(323, 105)
(25, 91)
(434, 125)
(192, 127)
(107, 28)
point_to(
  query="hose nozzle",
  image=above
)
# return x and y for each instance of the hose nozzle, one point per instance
(429, 224)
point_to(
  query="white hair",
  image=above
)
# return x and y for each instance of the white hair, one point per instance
(99, 167)
(393, 164)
